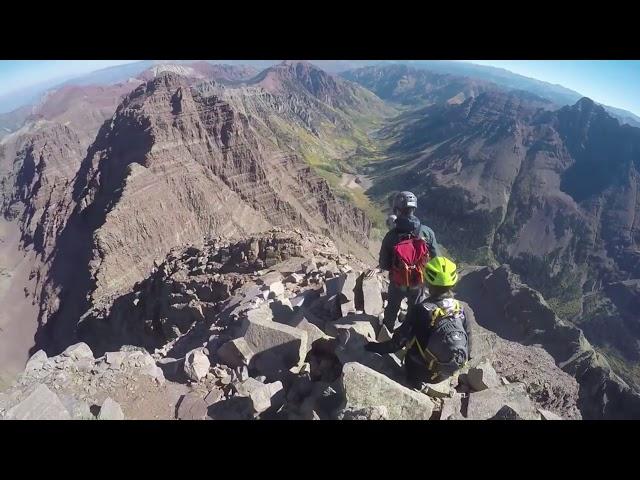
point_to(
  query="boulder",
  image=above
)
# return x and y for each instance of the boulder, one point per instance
(263, 396)
(294, 278)
(196, 365)
(270, 278)
(276, 346)
(362, 324)
(486, 403)
(309, 266)
(110, 410)
(41, 404)
(439, 390)
(547, 415)
(115, 359)
(452, 408)
(378, 412)
(372, 296)
(263, 313)
(313, 332)
(78, 351)
(214, 396)
(276, 289)
(235, 353)
(36, 362)
(192, 407)
(348, 287)
(78, 409)
(482, 376)
(365, 388)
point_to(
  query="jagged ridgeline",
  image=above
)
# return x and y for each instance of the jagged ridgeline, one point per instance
(273, 327)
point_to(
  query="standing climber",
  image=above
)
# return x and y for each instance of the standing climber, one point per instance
(406, 247)
(436, 331)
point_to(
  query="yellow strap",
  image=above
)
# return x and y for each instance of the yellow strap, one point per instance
(431, 361)
(439, 312)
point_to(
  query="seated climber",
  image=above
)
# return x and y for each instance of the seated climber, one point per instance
(407, 245)
(435, 331)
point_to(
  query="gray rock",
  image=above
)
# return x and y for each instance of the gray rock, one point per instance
(196, 365)
(366, 388)
(270, 278)
(379, 412)
(276, 289)
(372, 295)
(482, 376)
(313, 332)
(276, 347)
(214, 396)
(294, 278)
(36, 362)
(41, 404)
(263, 396)
(309, 266)
(78, 409)
(241, 373)
(192, 407)
(115, 359)
(77, 351)
(235, 353)
(486, 403)
(362, 324)
(452, 408)
(439, 390)
(347, 308)
(547, 415)
(110, 410)
(348, 287)
(263, 313)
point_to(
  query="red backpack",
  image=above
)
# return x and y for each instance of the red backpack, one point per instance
(409, 258)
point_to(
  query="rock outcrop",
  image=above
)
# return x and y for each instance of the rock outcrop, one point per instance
(227, 346)
(503, 304)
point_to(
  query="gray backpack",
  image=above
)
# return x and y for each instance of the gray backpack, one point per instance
(447, 349)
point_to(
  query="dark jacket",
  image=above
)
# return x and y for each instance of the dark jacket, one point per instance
(417, 324)
(405, 225)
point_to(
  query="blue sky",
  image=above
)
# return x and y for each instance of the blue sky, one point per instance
(611, 82)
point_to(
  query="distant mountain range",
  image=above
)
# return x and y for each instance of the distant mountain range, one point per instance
(121, 73)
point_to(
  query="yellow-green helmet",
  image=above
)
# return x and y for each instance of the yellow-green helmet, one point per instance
(441, 272)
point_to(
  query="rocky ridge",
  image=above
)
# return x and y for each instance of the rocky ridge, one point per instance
(271, 326)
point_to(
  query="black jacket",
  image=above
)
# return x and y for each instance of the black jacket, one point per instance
(405, 225)
(417, 324)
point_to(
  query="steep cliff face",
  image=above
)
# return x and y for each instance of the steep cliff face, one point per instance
(173, 167)
(503, 304)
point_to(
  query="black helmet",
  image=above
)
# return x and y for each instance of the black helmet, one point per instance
(405, 200)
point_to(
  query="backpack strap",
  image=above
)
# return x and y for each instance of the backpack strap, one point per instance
(440, 312)
(429, 358)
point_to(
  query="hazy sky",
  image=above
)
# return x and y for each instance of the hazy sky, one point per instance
(612, 82)
(16, 74)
